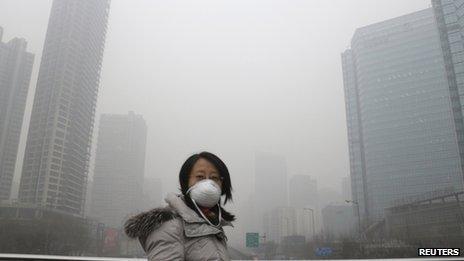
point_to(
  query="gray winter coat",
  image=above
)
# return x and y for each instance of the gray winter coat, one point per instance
(177, 232)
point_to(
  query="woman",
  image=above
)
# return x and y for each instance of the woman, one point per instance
(190, 227)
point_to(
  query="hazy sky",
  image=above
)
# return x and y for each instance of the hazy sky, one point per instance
(232, 77)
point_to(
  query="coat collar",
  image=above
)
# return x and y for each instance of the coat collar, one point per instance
(141, 225)
(176, 202)
(194, 225)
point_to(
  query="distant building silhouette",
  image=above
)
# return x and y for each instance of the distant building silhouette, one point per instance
(304, 196)
(56, 161)
(303, 192)
(119, 168)
(339, 221)
(402, 84)
(282, 222)
(270, 180)
(270, 184)
(15, 75)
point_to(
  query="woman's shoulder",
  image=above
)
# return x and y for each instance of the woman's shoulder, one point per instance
(143, 224)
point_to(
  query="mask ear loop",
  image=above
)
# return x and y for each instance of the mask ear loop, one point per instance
(188, 190)
(203, 215)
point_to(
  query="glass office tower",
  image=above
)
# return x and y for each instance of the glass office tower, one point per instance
(403, 132)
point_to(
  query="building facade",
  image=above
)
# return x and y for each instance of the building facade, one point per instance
(15, 75)
(55, 168)
(63, 234)
(282, 222)
(279, 223)
(346, 188)
(339, 221)
(403, 131)
(303, 192)
(270, 184)
(119, 168)
(304, 196)
(449, 16)
(270, 181)
(426, 222)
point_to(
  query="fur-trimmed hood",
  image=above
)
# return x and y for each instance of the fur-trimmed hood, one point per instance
(141, 225)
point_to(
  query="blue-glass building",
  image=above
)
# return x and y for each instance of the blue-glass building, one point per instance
(404, 117)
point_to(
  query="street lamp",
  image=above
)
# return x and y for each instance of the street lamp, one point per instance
(312, 214)
(359, 214)
(359, 224)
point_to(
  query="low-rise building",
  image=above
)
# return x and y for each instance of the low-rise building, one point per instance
(436, 221)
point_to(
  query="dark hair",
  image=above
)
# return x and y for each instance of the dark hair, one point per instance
(186, 168)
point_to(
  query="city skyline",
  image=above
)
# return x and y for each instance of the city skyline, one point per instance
(337, 124)
(271, 150)
(161, 94)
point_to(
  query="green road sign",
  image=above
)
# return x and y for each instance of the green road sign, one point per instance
(252, 239)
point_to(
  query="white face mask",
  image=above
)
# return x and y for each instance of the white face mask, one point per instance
(205, 193)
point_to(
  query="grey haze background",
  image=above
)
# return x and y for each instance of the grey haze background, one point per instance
(231, 77)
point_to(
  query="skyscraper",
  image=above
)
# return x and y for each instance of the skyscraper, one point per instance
(304, 198)
(449, 18)
(346, 188)
(270, 186)
(119, 168)
(338, 220)
(303, 192)
(404, 130)
(58, 145)
(282, 222)
(15, 75)
(279, 223)
(270, 181)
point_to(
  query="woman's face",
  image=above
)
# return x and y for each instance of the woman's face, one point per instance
(203, 169)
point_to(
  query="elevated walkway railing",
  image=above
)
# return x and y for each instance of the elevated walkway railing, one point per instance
(4, 257)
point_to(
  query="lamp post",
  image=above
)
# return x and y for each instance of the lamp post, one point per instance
(359, 223)
(359, 215)
(312, 214)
